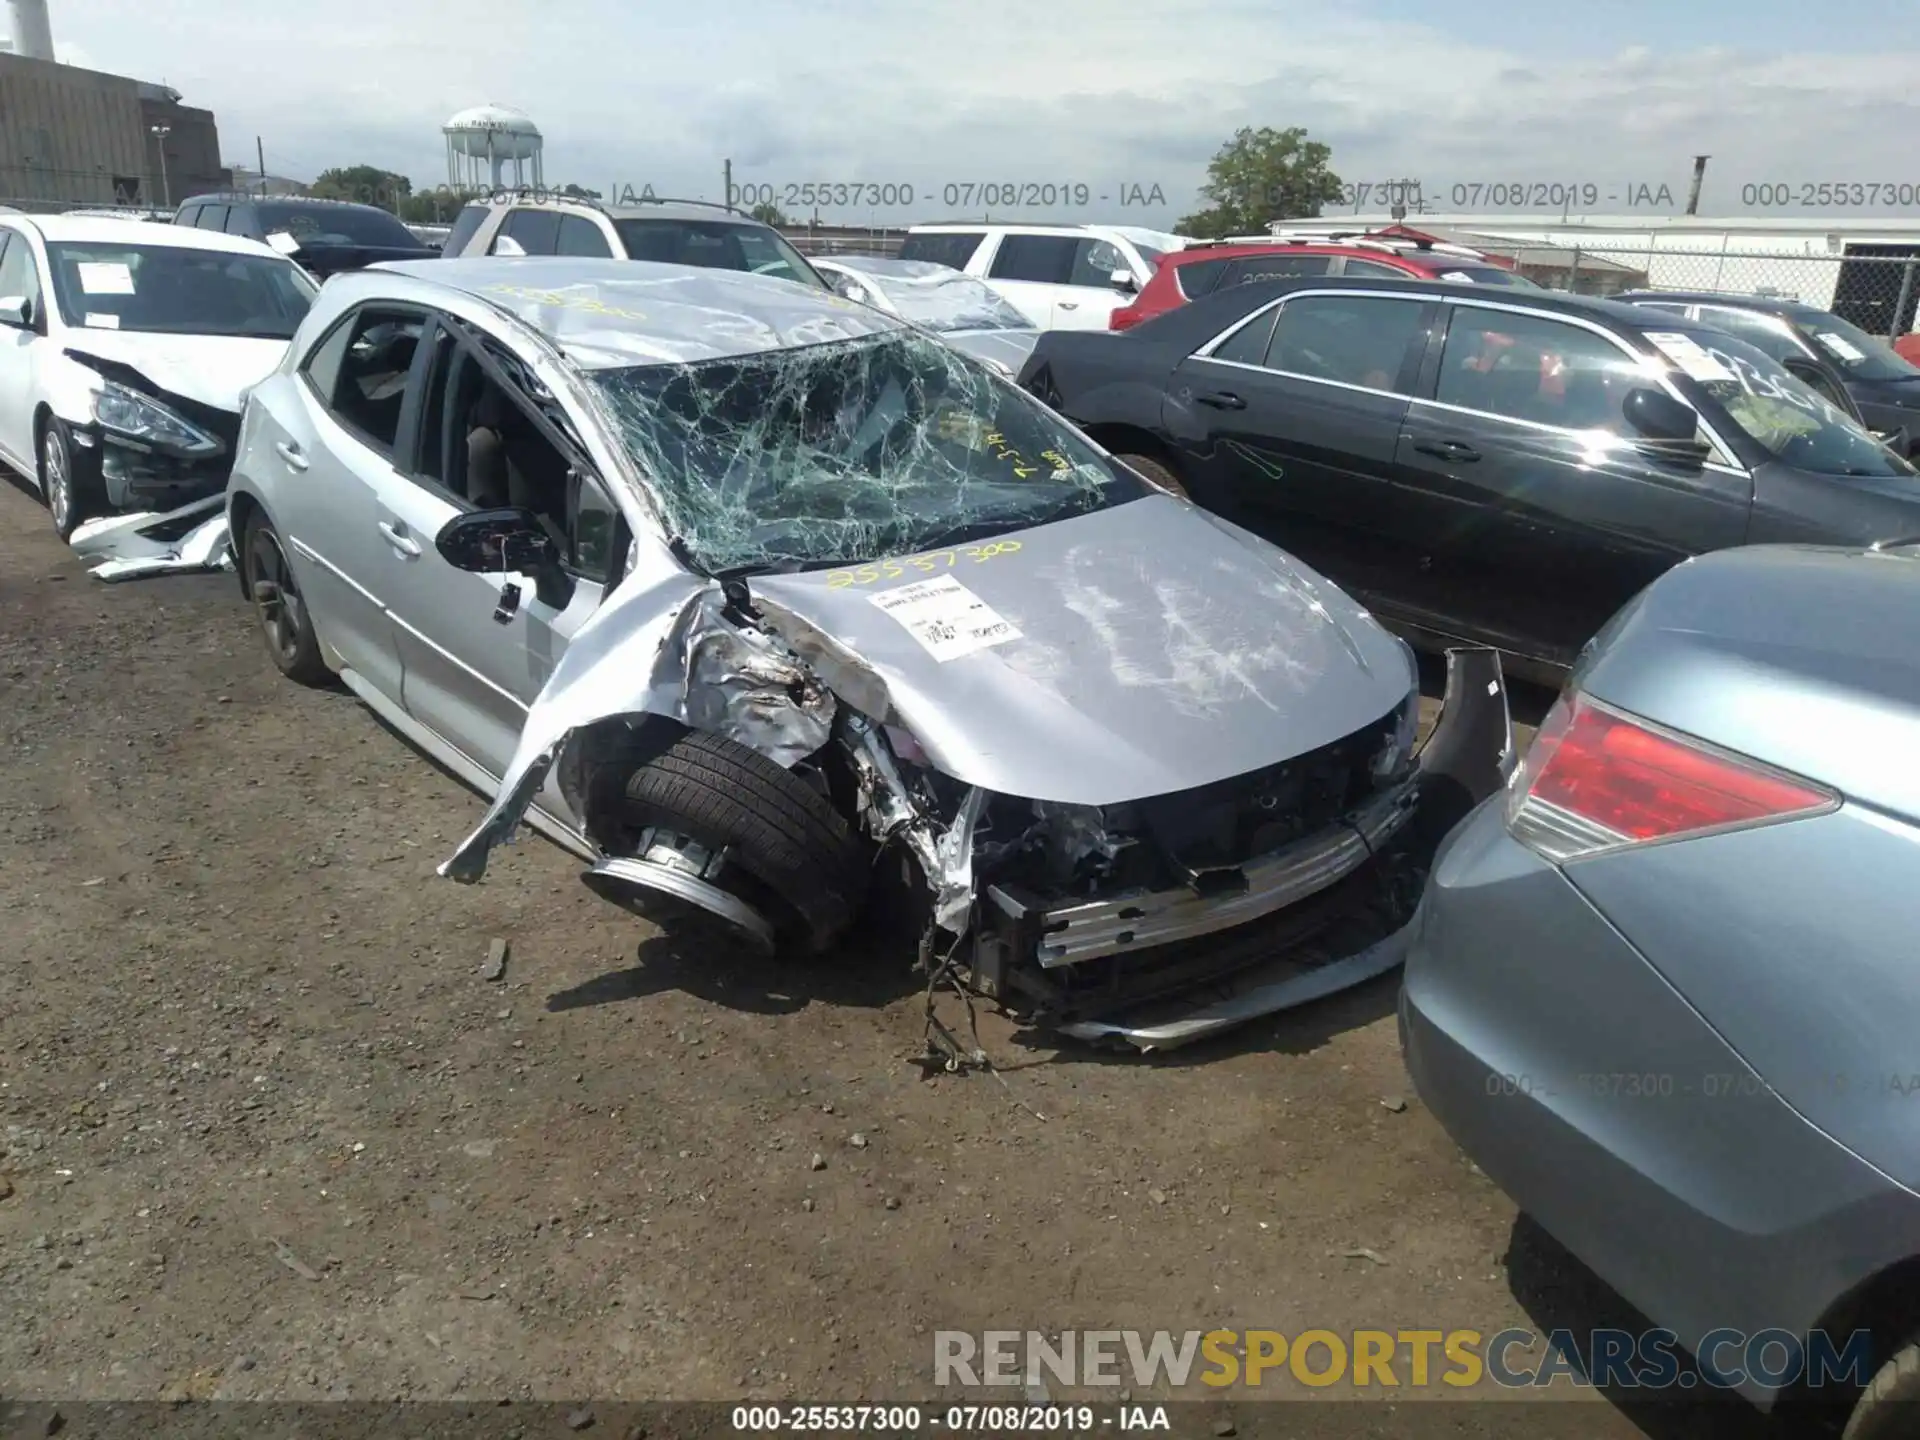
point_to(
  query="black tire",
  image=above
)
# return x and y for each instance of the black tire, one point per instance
(781, 831)
(1889, 1408)
(285, 623)
(1155, 472)
(70, 479)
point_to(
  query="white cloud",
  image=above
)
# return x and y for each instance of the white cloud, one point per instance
(850, 90)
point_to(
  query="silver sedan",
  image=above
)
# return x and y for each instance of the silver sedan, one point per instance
(966, 313)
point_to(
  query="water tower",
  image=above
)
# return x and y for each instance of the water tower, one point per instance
(484, 141)
(31, 30)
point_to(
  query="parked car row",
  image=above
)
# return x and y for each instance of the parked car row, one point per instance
(779, 602)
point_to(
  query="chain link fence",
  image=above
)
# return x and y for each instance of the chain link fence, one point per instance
(1877, 287)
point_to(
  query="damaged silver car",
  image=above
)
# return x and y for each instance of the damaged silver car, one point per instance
(765, 603)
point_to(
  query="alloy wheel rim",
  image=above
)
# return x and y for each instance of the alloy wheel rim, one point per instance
(53, 459)
(279, 610)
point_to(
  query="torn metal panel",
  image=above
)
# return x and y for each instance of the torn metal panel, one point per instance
(126, 547)
(666, 649)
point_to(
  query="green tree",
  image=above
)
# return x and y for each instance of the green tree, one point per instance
(767, 213)
(1262, 175)
(437, 206)
(364, 185)
(578, 192)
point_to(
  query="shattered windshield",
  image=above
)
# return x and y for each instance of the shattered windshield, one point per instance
(849, 451)
(949, 303)
(1795, 423)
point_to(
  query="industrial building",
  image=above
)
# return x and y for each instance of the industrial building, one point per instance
(70, 136)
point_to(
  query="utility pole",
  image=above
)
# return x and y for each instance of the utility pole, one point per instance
(166, 185)
(260, 153)
(726, 190)
(1699, 174)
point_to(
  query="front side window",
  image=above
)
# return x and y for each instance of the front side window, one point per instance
(465, 226)
(841, 453)
(19, 277)
(534, 232)
(580, 236)
(717, 245)
(1043, 259)
(174, 290)
(1543, 371)
(1354, 339)
(1094, 264)
(211, 217)
(360, 371)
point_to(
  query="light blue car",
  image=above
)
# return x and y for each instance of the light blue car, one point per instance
(1664, 990)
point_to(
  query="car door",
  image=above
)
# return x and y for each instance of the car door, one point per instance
(333, 426)
(1548, 515)
(19, 347)
(1029, 271)
(1300, 412)
(477, 649)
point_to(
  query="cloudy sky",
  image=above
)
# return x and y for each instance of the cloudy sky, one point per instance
(1616, 94)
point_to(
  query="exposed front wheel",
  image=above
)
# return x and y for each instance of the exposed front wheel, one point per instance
(1889, 1408)
(284, 621)
(69, 479)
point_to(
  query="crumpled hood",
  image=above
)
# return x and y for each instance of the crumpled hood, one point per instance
(1008, 347)
(211, 369)
(1155, 648)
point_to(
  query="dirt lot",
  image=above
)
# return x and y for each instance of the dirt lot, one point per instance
(268, 1132)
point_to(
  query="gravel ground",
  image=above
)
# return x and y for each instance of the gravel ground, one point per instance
(268, 1131)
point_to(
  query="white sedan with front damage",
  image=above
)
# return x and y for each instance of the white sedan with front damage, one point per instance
(125, 352)
(738, 589)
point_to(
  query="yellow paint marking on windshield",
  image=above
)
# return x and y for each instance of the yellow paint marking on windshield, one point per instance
(559, 300)
(929, 563)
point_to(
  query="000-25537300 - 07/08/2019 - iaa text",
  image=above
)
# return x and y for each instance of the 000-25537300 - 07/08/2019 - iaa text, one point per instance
(964, 1419)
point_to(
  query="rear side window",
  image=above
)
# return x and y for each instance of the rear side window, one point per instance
(1274, 267)
(1046, 259)
(1199, 277)
(1248, 344)
(211, 217)
(1352, 339)
(954, 248)
(1374, 269)
(464, 227)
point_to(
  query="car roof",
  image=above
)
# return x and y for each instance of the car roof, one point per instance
(641, 210)
(603, 313)
(1219, 309)
(116, 230)
(246, 197)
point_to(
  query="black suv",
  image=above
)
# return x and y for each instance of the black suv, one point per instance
(1832, 355)
(322, 236)
(1500, 467)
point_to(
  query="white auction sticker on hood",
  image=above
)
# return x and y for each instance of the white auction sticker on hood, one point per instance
(947, 619)
(1686, 352)
(106, 277)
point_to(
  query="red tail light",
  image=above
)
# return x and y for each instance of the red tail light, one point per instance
(1595, 779)
(1124, 318)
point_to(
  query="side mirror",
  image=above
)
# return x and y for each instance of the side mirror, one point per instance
(510, 247)
(1123, 281)
(487, 542)
(1668, 427)
(16, 311)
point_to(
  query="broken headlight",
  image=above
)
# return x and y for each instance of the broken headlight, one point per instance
(133, 416)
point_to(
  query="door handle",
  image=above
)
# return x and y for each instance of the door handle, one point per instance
(1222, 400)
(1447, 449)
(1069, 304)
(400, 540)
(290, 453)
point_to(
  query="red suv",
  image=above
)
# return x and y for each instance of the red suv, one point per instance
(1202, 269)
